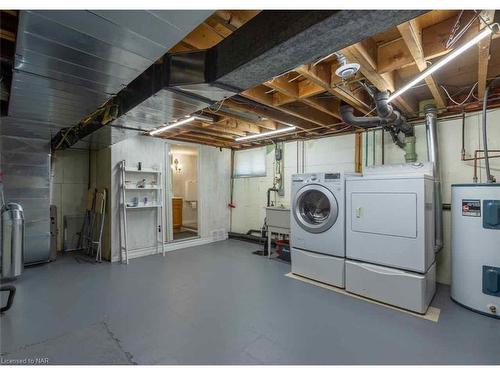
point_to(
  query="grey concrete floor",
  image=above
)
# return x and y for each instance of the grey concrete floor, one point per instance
(219, 304)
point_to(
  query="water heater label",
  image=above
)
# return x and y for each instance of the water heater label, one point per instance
(471, 207)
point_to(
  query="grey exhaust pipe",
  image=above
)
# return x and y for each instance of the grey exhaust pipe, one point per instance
(433, 155)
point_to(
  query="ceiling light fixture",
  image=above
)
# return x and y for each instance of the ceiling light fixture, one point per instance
(483, 34)
(203, 118)
(170, 126)
(266, 134)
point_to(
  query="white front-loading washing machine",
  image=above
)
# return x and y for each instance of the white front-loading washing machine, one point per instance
(317, 228)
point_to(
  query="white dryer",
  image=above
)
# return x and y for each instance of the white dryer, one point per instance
(317, 228)
(390, 237)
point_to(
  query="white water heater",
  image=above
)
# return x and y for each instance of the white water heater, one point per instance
(475, 247)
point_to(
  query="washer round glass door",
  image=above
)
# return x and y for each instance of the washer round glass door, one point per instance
(315, 208)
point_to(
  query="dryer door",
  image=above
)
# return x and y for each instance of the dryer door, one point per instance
(315, 208)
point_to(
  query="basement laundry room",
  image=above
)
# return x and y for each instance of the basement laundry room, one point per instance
(250, 187)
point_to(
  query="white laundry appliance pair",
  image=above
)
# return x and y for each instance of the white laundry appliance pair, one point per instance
(381, 245)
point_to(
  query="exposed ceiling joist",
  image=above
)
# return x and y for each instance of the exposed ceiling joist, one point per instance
(291, 90)
(321, 75)
(259, 95)
(271, 113)
(484, 54)
(412, 36)
(360, 54)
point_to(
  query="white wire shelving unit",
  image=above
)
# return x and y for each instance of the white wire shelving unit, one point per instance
(155, 190)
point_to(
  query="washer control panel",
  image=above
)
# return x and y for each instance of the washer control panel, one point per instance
(316, 177)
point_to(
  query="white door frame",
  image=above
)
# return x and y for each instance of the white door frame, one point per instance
(169, 190)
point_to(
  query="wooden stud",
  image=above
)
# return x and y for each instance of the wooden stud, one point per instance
(330, 106)
(412, 36)
(358, 53)
(393, 55)
(288, 92)
(308, 88)
(278, 116)
(258, 94)
(323, 78)
(358, 152)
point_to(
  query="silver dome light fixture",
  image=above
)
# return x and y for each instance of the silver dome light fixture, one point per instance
(346, 70)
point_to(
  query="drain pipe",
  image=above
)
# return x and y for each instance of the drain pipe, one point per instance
(387, 117)
(433, 155)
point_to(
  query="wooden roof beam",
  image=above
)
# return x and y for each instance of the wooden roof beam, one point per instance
(395, 54)
(291, 91)
(283, 85)
(201, 137)
(358, 53)
(412, 36)
(484, 54)
(216, 132)
(273, 114)
(330, 106)
(197, 140)
(239, 125)
(308, 88)
(321, 75)
(259, 95)
(262, 123)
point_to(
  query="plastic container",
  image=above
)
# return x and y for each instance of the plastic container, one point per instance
(283, 250)
(12, 230)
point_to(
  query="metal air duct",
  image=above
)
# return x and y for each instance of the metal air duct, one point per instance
(433, 155)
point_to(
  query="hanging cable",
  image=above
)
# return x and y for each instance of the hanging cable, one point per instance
(465, 100)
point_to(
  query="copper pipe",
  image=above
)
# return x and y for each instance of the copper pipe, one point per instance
(476, 158)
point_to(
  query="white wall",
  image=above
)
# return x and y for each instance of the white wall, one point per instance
(213, 194)
(70, 179)
(337, 154)
(249, 193)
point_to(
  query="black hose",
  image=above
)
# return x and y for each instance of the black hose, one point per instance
(12, 292)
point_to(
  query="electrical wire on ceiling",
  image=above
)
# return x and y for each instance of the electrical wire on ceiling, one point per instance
(467, 97)
(457, 32)
(220, 104)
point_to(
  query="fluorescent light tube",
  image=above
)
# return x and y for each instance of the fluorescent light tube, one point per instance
(174, 125)
(487, 31)
(266, 134)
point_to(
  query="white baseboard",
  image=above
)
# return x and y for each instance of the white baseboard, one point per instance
(137, 253)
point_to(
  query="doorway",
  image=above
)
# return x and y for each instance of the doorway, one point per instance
(184, 192)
